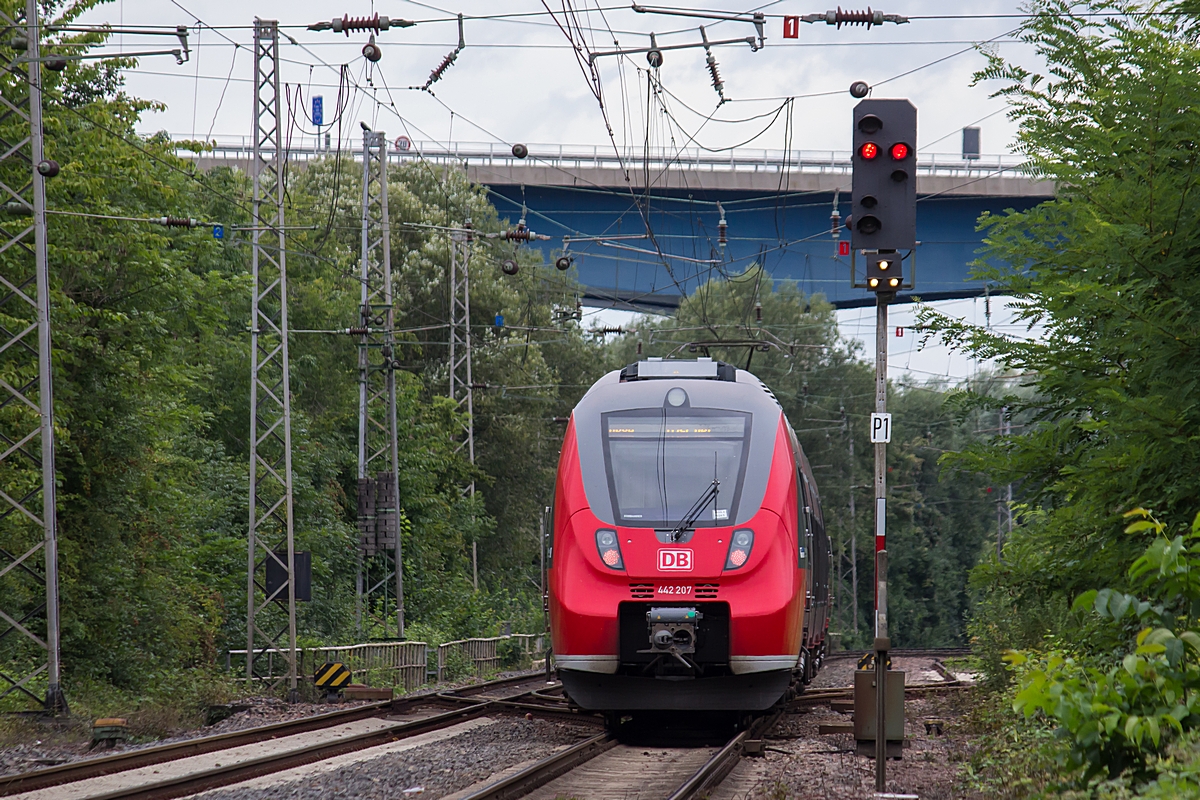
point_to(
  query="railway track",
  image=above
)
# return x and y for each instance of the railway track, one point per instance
(602, 767)
(593, 766)
(950, 683)
(935, 652)
(316, 738)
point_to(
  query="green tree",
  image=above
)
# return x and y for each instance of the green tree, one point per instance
(152, 380)
(1104, 273)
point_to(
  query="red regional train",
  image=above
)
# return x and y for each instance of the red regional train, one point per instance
(689, 565)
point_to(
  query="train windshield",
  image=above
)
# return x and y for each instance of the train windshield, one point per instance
(661, 464)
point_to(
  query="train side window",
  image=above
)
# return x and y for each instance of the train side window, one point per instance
(806, 519)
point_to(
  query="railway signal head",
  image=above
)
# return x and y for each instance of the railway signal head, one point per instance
(884, 176)
(884, 272)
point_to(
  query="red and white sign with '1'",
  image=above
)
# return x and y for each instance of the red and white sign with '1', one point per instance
(675, 560)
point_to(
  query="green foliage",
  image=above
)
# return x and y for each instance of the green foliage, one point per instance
(1105, 269)
(458, 667)
(151, 376)
(1118, 716)
(1012, 757)
(1107, 409)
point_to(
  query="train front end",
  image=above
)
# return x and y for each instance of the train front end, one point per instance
(674, 578)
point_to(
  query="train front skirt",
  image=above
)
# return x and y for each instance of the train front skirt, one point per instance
(754, 692)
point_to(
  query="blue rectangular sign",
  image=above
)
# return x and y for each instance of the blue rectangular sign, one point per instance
(318, 113)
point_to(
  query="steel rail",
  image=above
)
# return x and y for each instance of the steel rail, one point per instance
(935, 652)
(704, 779)
(539, 774)
(133, 759)
(217, 777)
(121, 762)
(274, 763)
(552, 712)
(715, 770)
(815, 699)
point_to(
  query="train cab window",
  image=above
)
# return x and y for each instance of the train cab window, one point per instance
(660, 465)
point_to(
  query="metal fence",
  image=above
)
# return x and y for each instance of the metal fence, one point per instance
(401, 664)
(484, 654)
(386, 663)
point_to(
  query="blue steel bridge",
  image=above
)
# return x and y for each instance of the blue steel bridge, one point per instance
(777, 206)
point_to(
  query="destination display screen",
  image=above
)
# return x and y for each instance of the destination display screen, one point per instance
(660, 464)
(676, 427)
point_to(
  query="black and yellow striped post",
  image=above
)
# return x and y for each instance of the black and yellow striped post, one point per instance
(332, 676)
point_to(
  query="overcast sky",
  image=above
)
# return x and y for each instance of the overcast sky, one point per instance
(518, 80)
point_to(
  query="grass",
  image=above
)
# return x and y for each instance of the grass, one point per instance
(1013, 757)
(172, 703)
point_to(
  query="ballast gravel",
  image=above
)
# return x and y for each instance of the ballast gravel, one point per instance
(430, 771)
(61, 741)
(49, 743)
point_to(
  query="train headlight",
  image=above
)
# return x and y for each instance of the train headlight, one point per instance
(609, 549)
(740, 546)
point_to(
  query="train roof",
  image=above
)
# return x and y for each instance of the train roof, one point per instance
(702, 369)
(709, 385)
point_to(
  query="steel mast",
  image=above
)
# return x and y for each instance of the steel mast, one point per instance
(378, 492)
(271, 530)
(27, 402)
(462, 389)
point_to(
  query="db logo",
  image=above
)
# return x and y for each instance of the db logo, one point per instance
(675, 560)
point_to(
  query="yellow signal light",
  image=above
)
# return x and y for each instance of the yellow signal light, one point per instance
(873, 282)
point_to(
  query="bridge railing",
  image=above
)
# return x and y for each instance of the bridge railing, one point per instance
(577, 157)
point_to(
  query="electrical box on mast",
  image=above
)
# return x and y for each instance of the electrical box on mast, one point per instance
(884, 215)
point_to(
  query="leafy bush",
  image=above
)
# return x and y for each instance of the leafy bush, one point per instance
(1119, 717)
(459, 666)
(1012, 757)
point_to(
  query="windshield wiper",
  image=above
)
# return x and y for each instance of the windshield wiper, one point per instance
(709, 496)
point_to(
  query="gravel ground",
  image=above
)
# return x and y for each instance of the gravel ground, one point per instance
(431, 771)
(60, 741)
(800, 763)
(838, 672)
(42, 743)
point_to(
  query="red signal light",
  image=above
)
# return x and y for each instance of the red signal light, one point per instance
(899, 151)
(869, 151)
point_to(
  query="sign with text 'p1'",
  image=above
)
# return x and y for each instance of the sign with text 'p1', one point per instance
(881, 428)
